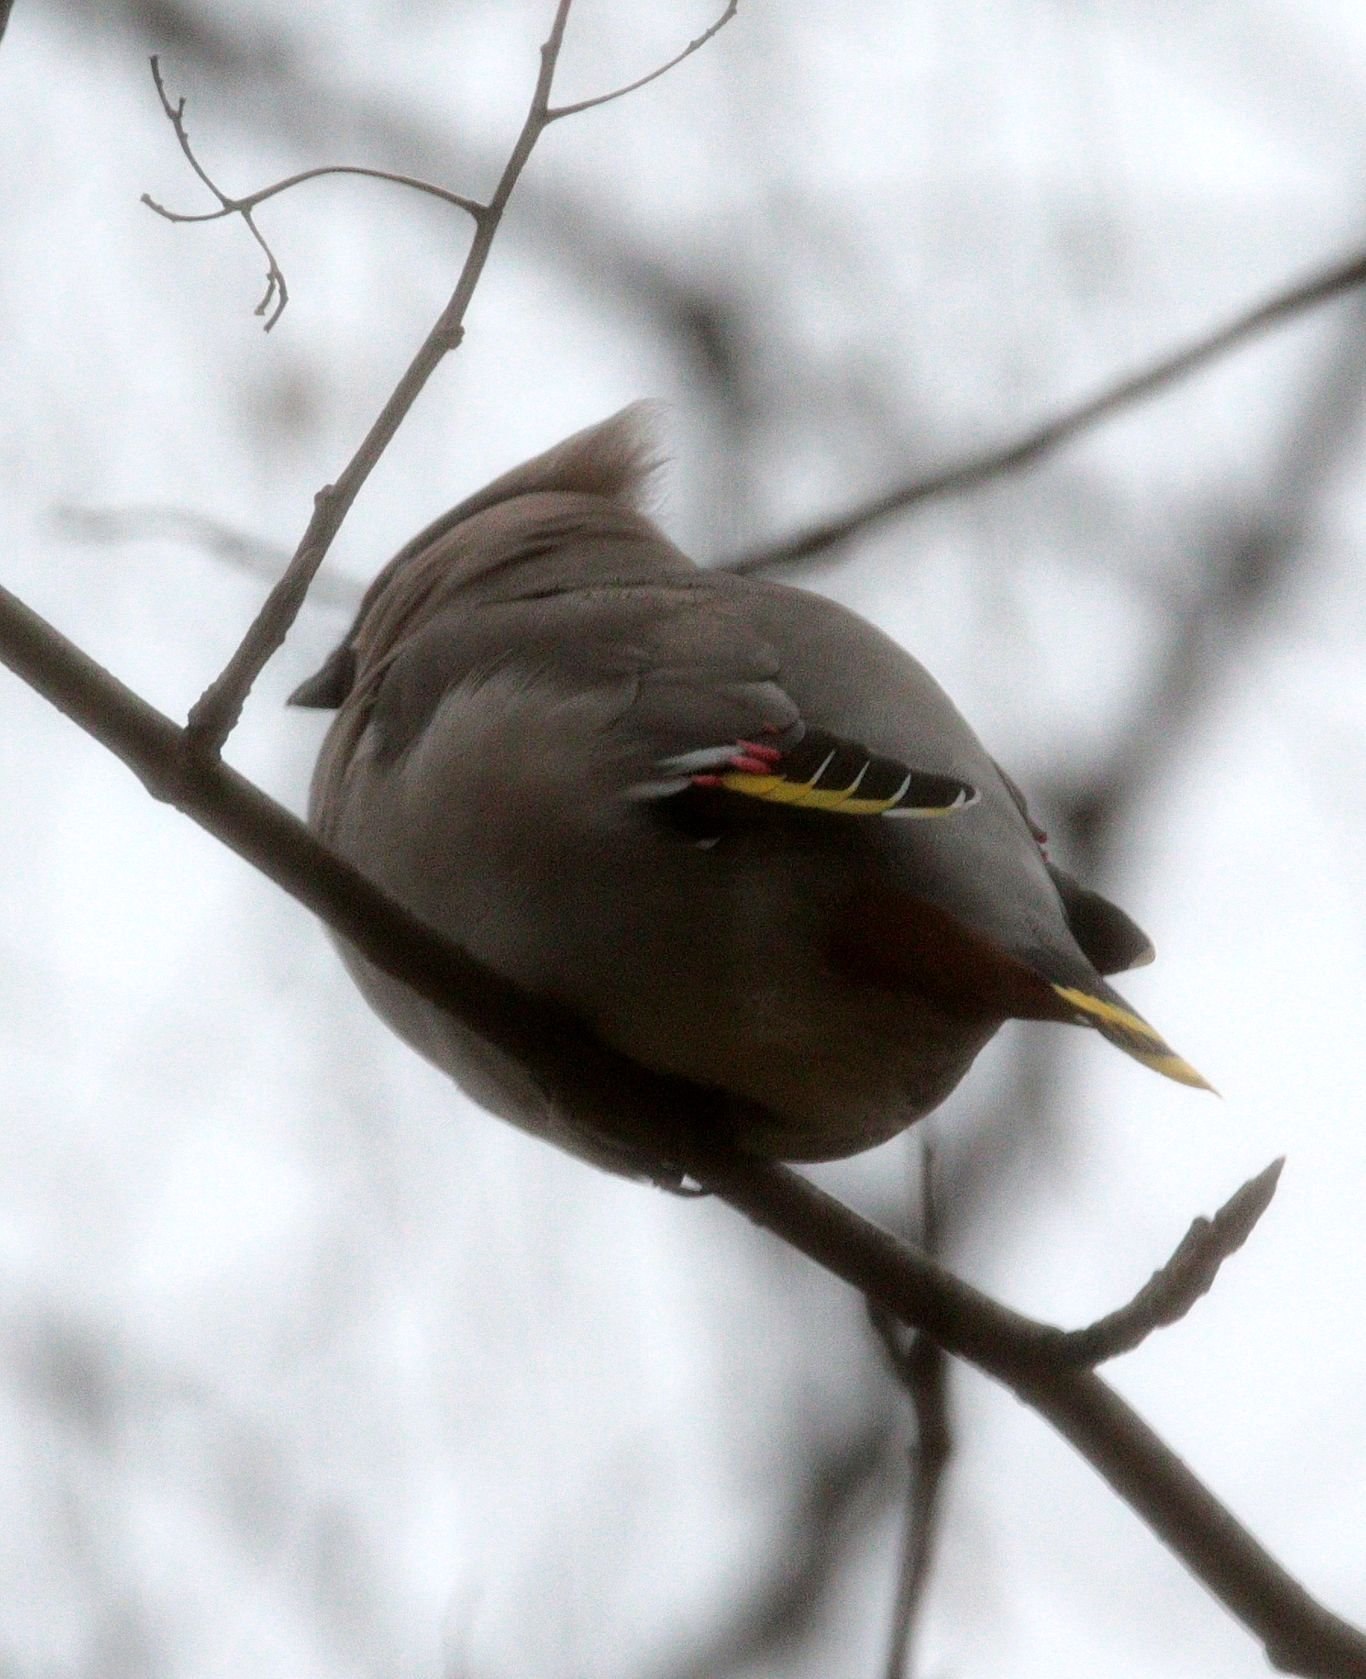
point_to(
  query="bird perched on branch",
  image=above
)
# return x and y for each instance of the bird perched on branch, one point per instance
(727, 824)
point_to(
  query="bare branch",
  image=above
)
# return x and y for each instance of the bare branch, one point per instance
(1234, 596)
(276, 288)
(1298, 1634)
(706, 315)
(241, 206)
(921, 1366)
(276, 291)
(926, 1369)
(1041, 440)
(215, 713)
(1190, 1272)
(643, 81)
(684, 1128)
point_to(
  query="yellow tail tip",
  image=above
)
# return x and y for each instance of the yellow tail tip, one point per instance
(1131, 1033)
(1173, 1066)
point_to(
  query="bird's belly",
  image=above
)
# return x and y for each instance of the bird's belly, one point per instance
(738, 991)
(823, 1073)
(706, 967)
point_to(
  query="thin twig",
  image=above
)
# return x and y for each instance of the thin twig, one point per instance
(921, 1366)
(1190, 1272)
(252, 200)
(1040, 440)
(584, 230)
(685, 1127)
(215, 713)
(276, 291)
(1231, 598)
(251, 554)
(926, 1381)
(643, 81)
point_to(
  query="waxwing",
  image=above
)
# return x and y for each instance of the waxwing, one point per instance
(730, 826)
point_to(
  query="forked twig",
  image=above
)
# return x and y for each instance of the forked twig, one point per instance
(215, 713)
(251, 200)
(277, 291)
(246, 203)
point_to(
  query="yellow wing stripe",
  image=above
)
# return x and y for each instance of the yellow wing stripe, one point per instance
(856, 807)
(827, 773)
(771, 787)
(1131, 1033)
(776, 789)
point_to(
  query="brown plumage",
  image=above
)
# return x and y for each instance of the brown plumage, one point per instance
(729, 824)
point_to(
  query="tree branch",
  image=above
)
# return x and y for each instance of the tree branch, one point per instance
(1190, 1272)
(921, 1366)
(242, 206)
(684, 1128)
(1230, 598)
(644, 81)
(276, 292)
(1041, 440)
(214, 715)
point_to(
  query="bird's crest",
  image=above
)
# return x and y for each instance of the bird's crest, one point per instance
(614, 459)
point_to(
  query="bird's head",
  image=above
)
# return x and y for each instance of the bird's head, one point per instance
(569, 518)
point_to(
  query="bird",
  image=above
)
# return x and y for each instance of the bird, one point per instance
(732, 828)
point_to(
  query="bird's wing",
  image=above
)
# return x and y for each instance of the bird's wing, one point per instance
(1111, 940)
(711, 703)
(670, 695)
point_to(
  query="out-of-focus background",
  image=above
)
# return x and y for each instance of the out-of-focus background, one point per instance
(308, 1367)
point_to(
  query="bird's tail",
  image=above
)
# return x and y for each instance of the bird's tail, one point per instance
(1106, 1010)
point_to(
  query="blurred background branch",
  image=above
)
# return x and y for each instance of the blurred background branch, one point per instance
(1040, 440)
(922, 1368)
